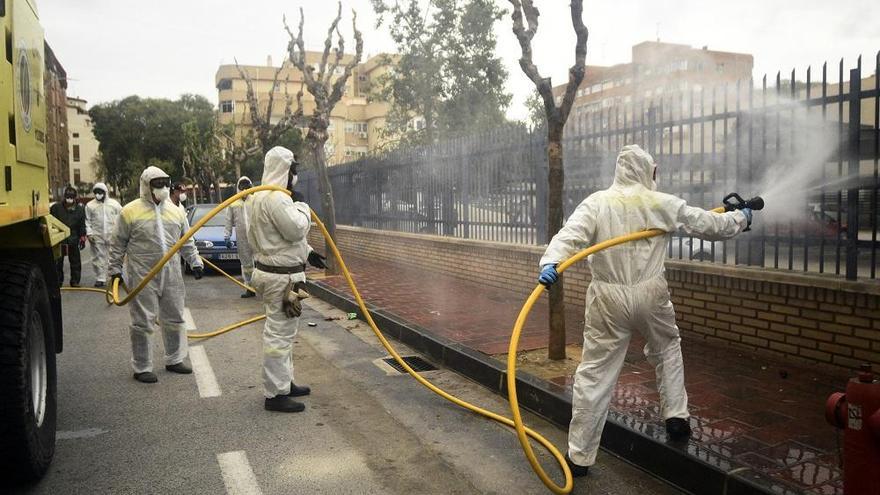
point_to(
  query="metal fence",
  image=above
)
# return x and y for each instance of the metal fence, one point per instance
(809, 146)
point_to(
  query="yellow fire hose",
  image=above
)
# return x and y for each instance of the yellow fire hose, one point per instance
(112, 295)
(523, 432)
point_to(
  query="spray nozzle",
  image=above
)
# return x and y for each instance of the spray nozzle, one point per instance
(734, 201)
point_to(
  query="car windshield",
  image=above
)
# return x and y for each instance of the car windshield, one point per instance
(201, 210)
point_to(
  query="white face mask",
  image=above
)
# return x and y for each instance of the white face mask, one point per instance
(161, 194)
(68, 201)
(99, 196)
(182, 197)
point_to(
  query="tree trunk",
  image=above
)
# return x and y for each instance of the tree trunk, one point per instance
(325, 188)
(556, 182)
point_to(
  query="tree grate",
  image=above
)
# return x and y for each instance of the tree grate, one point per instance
(415, 362)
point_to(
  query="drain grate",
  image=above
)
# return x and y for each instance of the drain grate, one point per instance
(415, 362)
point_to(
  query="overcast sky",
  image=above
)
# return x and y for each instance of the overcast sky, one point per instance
(162, 48)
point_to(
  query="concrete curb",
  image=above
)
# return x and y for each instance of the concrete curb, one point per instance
(688, 466)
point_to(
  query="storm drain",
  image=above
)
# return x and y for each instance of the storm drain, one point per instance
(415, 362)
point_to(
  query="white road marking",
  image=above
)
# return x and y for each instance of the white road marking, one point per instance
(87, 433)
(205, 378)
(188, 321)
(237, 474)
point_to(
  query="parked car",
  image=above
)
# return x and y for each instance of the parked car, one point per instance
(210, 238)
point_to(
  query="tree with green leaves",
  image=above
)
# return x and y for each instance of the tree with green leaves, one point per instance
(537, 117)
(556, 114)
(447, 78)
(134, 131)
(203, 160)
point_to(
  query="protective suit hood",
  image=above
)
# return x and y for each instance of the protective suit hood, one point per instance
(635, 167)
(244, 177)
(149, 174)
(277, 166)
(101, 186)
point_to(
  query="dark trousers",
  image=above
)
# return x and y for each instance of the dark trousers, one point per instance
(72, 253)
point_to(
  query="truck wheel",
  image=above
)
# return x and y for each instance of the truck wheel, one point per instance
(27, 373)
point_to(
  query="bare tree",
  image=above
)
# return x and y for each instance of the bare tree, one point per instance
(327, 88)
(556, 118)
(267, 133)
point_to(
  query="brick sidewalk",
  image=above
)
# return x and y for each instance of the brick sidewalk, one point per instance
(747, 410)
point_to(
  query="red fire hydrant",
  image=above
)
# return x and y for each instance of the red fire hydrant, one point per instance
(857, 412)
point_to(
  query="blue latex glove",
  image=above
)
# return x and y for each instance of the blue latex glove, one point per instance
(548, 275)
(228, 243)
(748, 213)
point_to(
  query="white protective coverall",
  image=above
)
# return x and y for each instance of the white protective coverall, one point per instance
(237, 217)
(278, 234)
(144, 233)
(100, 220)
(628, 291)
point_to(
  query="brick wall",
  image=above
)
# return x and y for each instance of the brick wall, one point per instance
(804, 317)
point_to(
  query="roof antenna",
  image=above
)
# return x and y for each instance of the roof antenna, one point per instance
(658, 32)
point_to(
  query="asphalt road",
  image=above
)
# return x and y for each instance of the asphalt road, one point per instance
(365, 430)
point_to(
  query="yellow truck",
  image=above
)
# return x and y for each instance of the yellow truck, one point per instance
(30, 296)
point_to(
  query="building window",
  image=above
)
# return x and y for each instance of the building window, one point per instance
(76, 176)
(355, 127)
(76, 154)
(76, 134)
(224, 84)
(719, 68)
(227, 106)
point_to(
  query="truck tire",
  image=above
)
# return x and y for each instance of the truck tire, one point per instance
(27, 374)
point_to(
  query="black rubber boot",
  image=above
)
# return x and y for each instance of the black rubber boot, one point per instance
(283, 403)
(248, 294)
(577, 471)
(678, 428)
(146, 377)
(180, 367)
(298, 391)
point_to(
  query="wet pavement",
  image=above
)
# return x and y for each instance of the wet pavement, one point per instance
(755, 414)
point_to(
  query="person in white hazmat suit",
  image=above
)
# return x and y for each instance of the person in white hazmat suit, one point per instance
(101, 214)
(145, 231)
(628, 292)
(278, 234)
(237, 218)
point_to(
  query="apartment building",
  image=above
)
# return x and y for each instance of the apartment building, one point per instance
(356, 123)
(83, 145)
(662, 74)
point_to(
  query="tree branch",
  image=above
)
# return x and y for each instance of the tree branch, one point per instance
(256, 119)
(339, 84)
(555, 115)
(272, 94)
(575, 72)
(328, 43)
(297, 43)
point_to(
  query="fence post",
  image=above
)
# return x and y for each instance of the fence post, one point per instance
(540, 170)
(465, 165)
(852, 194)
